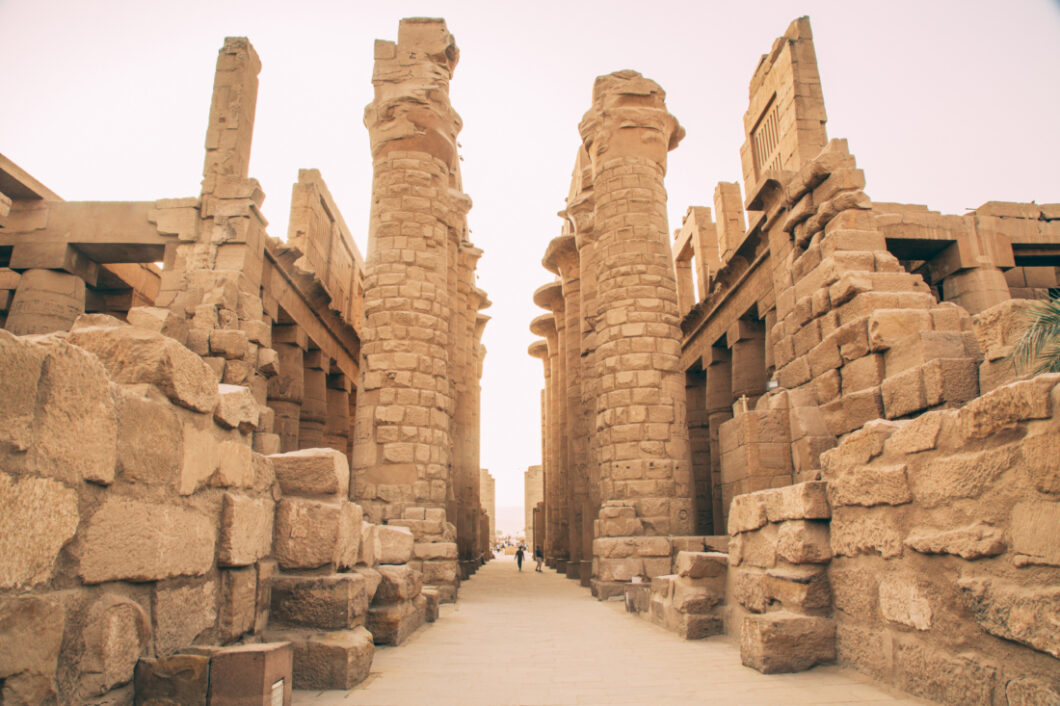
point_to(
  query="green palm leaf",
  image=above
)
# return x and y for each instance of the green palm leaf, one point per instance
(1038, 349)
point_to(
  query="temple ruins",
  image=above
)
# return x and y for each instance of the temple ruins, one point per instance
(232, 465)
(797, 422)
(228, 454)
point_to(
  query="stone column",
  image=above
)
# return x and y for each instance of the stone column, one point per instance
(45, 301)
(337, 422)
(747, 338)
(401, 453)
(562, 259)
(719, 410)
(539, 349)
(550, 297)
(555, 513)
(285, 392)
(641, 432)
(314, 403)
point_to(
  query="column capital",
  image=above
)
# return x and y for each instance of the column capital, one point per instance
(628, 118)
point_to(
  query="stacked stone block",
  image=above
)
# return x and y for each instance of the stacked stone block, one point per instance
(318, 604)
(687, 601)
(155, 502)
(778, 555)
(433, 550)
(946, 565)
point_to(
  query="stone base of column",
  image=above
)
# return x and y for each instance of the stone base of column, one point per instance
(45, 301)
(574, 570)
(434, 551)
(585, 572)
(561, 566)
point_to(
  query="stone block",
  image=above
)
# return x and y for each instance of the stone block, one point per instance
(754, 548)
(333, 602)
(246, 674)
(620, 547)
(870, 485)
(973, 541)
(1034, 529)
(313, 473)
(246, 529)
(312, 533)
(938, 675)
(391, 624)
(116, 633)
(804, 542)
(31, 633)
(888, 327)
(397, 584)
(183, 610)
(747, 512)
(434, 550)
(441, 571)
(177, 680)
(939, 480)
(865, 531)
(1024, 614)
(694, 626)
(135, 355)
(867, 650)
(801, 501)
(144, 541)
(395, 544)
(749, 590)
(268, 570)
(228, 343)
(369, 548)
(62, 411)
(431, 594)
(785, 642)
(1006, 406)
(696, 596)
(1032, 692)
(901, 600)
(801, 589)
(372, 578)
(699, 565)
(239, 591)
(236, 408)
(920, 434)
(328, 660)
(235, 466)
(904, 393)
(150, 437)
(39, 517)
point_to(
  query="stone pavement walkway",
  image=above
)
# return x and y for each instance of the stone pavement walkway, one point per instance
(529, 638)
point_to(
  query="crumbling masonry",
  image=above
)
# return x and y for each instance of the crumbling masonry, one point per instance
(236, 473)
(797, 422)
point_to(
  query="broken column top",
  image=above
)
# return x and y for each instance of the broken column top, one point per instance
(411, 110)
(629, 117)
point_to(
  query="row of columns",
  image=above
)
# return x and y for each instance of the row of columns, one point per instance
(615, 431)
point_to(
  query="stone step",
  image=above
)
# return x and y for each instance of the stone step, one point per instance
(391, 624)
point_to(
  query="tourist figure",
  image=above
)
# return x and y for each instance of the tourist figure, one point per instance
(539, 557)
(519, 557)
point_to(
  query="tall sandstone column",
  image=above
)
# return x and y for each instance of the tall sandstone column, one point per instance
(640, 433)
(402, 447)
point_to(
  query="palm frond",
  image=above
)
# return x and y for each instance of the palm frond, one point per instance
(1039, 346)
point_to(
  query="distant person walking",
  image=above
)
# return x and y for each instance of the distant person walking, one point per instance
(519, 557)
(539, 557)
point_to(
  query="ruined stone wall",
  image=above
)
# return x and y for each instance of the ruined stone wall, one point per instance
(137, 519)
(946, 564)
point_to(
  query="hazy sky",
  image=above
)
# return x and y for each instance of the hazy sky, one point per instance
(948, 104)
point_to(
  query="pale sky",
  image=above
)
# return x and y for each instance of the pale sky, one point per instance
(948, 104)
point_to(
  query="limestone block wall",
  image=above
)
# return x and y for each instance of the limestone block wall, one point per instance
(137, 518)
(946, 562)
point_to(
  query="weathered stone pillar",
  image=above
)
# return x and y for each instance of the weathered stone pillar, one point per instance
(550, 297)
(555, 513)
(45, 301)
(539, 349)
(719, 410)
(641, 434)
(562, 259)
(747, 339)
(285, 392)
(401, 453)
(337, 422)
(314, 403)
